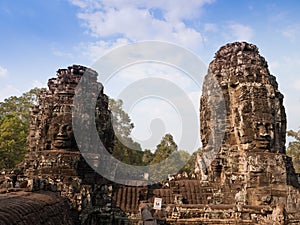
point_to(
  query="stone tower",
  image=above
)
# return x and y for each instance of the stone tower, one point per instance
(54, 162)
(51, 120)
(255, 118)
(250, 157)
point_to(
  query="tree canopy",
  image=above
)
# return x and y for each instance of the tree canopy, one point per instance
(21, 105)
(167, 158)
(121, 121)
(13, 137)
(14, 125)
(294, 149)
(189, 167)
(125, 150)
(164, 149)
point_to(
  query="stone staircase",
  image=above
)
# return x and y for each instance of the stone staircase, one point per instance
(26, 208)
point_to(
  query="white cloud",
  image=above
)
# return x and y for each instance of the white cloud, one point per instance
(115, 23)
(86, 4)
(38, 84)
(111, 20)
(8, 91)
(291, 32)
(172, 10)
(3, 72)
(157, 91)
(59, 53)
(99, 48)
(241, 32)
(158, 118)
(210, 27)
(143, 70)
(296, 85)
(292, 103)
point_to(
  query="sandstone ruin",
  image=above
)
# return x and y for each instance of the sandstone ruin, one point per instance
(54, 162)
(249, 180)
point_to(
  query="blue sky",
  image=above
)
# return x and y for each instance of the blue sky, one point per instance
(38, 37)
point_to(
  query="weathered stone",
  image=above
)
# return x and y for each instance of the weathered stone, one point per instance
(34, 208)
(243, 177)
(54, 162)
(51, 120)
(255, 117)
(251, 158)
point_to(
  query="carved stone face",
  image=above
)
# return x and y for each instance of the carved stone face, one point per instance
(60, 133)
(263, 135)
(255, 116)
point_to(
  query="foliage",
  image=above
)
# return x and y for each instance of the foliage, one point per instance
(164, 149)
(294, 148)
(12, 140)
(147, 157)
(128, 151)
(14, 125)
(189, 167)
(185, 157)
(121, 121)
(167, 159)
(125, 150)
(20, 106)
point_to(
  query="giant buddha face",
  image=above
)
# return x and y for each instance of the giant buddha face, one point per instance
(264, 135)
(60, 133)
(255, 116)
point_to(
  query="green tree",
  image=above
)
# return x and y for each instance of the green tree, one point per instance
(185, 157)
(147, 157)
(189, 167)
(164, 149)
(167, 159)
(125, 150)
(13, 137)
(128, 151)
(14, 126)
(121, 120)
(21, 105)
(294, 149)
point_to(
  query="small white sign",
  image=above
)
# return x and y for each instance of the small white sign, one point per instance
(157, 203)
(146, 176)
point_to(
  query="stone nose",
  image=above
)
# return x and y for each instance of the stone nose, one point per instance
(62, 131)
